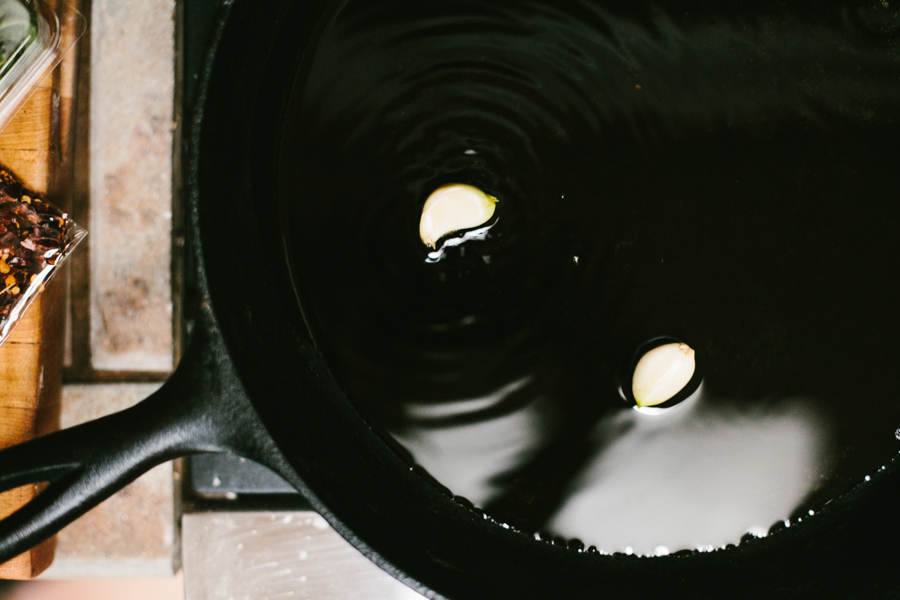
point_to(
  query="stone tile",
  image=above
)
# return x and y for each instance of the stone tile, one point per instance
(132, 82)
(86, 402)
(278, 555)
(131, 534)
(121, 589)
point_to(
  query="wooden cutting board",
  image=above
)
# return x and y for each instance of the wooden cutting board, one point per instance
(33, 147)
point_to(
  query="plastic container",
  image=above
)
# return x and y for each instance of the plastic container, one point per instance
(29, 50)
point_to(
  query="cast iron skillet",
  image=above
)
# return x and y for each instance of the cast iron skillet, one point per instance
(253, 383)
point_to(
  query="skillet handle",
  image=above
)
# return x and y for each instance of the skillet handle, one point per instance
(201, 408)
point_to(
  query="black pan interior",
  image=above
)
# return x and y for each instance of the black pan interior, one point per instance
(398, 517)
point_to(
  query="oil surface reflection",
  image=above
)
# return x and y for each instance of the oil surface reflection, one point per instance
(697, 477)
(700, 475)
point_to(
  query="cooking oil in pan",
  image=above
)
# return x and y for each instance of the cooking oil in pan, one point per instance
(645, 188)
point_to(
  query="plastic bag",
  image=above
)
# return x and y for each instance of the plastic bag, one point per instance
(35, 238)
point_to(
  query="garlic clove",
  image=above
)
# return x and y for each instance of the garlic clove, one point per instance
(451, 208)
(661, 373)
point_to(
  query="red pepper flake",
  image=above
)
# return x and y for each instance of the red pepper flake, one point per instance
(33, 235)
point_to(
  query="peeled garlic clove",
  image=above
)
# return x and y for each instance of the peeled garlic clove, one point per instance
(451, 208)
(661, 373)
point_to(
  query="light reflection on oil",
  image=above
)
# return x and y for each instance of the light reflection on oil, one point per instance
(479, 234)
(468, 457)
(700, 475)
